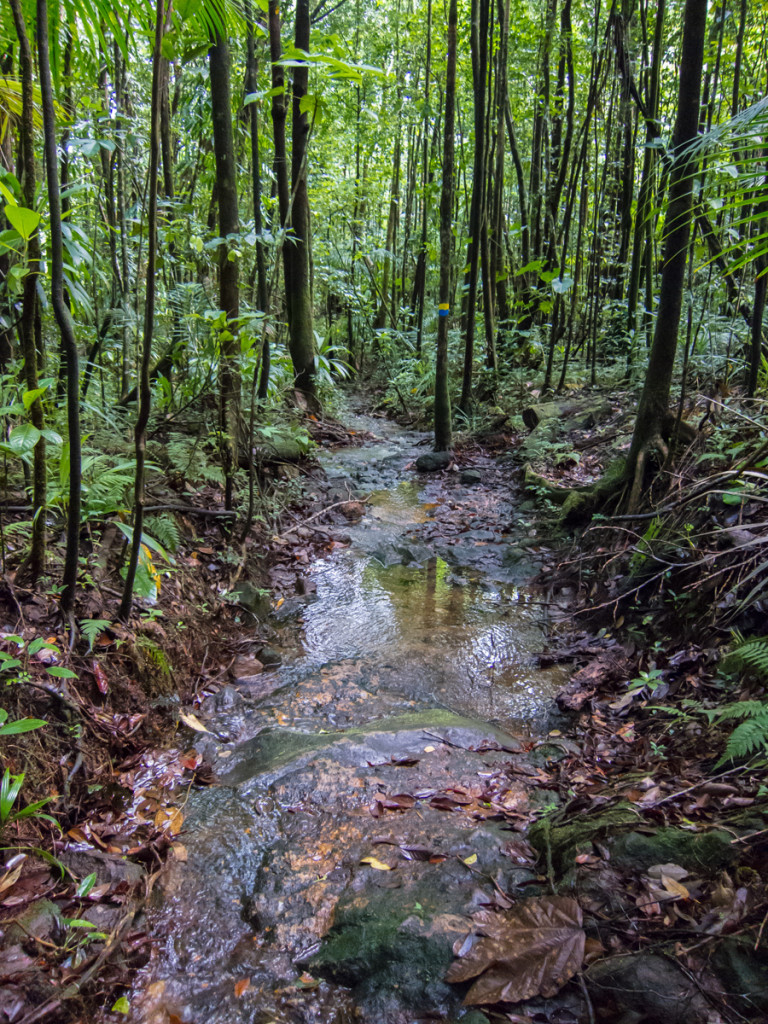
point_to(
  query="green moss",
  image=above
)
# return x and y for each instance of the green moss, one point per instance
(695, 851)
(563, 839)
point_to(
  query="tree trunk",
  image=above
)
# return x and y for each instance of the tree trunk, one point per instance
(145, 393)
(296, 254)
(420, 283)
(442, 396)
(654, 400)
(229, 293)
(36, 560)
(251, 85)
(479, 45)
(62, 315)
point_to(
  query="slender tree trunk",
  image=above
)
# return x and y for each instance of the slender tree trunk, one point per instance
(654, 400)
(296, 254)
(145, 393)
(442, 395)
(62, 315)
(420, 283)
(643, 211)
(36, 560)
(229, 293)
(252, 84)
(479, 46)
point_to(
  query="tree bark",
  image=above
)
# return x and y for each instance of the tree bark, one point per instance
(62, 315)
(442, 396)
(654, 400)
(296, 253)
(36, 560)
(145, 393)
(229, 293)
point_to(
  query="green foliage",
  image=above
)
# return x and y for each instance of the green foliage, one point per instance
(164, 528)
(92, 629)
(10, 788)
(748, 655)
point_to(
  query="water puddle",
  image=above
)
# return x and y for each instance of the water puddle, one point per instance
(417, 647)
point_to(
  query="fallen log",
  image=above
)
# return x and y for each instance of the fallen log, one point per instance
(573, 413)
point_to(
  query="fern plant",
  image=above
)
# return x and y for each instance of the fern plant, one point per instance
(750, 736)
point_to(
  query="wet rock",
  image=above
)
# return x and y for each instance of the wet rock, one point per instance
(644, 987)
(393, 952)
(253, 599)
(107, 867)
(742, 970)
(305, 586)
(226, 699)
(269, 657)
(40, 920)
(246, 669)
(291, 608)
(431, 462)
(471, 477)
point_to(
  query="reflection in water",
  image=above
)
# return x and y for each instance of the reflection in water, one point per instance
(428, 632)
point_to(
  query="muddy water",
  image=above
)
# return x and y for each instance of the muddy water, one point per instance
(417, 649)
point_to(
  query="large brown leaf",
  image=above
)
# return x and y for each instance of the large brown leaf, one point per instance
(530, 950)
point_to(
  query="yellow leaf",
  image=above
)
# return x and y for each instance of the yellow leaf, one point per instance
(378, 865)
(471, 859)
(279, 603)
(674, 887)
(428, 750)
(192, 721)
(10, 877)
(179, 851)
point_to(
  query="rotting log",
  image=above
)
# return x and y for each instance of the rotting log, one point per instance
(573, 413)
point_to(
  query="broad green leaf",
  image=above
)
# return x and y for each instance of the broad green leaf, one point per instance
(21, 725)
(60, 672)
(28, 398)
(23, 220)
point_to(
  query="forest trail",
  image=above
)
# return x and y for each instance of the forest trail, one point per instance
(372, 790)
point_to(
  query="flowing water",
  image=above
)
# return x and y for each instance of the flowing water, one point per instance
(421, 637)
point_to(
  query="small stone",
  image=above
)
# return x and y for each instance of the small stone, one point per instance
(431, 462)
(305, 586)
(269, 657)
(471, 477)
(245, 668)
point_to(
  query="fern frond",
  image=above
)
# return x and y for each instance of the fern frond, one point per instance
(750, 655)
(165, 530)
(741, 709)
(746, 739)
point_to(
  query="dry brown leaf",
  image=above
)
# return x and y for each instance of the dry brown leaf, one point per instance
(242, 986)
(532, 949)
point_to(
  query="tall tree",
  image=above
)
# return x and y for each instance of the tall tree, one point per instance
(654, 400)
(229, 291)
(63, 317)
(296, 253)
(145, 394)
(36, 561)
(442, 396)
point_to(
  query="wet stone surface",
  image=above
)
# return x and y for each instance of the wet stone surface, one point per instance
(371, 790)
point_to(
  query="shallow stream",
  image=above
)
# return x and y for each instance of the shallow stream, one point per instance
(411, 667)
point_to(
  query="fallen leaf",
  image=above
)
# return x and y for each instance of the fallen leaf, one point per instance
(101, 677)
(193, 722)
(242, 986)
(532, 949)
(428, 750)
(179, 852)
(471, 859)
(674, 887)
(377, 865)
(10, 878)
